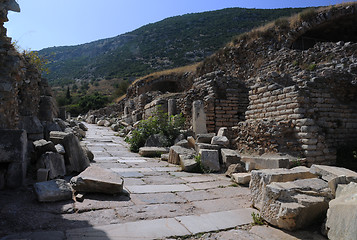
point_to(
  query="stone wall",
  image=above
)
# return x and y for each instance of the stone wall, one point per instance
(26, 106)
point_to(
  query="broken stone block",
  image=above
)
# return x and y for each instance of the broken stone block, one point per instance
(329, 172)
(200, 146)
(13, 151)
(42, 174)
(191, 142)
(53, 191)
(342, 214)
(82, 126)
(267, 162)
(210, 160)
(229, 156)
(198, 117)
(171, 107)
(261, 178)
(88, 152)
(183, 143)
(74, 156)
(221, 141)
(153, 151)
(60, 149)
(177, 151)
(165, 157)
(204, 138)
(101, 123)
(295, 205)
(107, 123)
(13, 146)
(32, 126)
(241, 178)
(223, 131)
(156, 140)
(335, 182)
(55, 163)
(98, 180)
(235, 168)
(42, 146)
(188, 163)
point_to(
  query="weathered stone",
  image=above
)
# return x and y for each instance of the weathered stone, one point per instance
(101, 122)
(177, 151)
(53, 191)
(222, 141)
(98, 180)
(42, 174)
(235, 168)
(204, 138)
(200, 146)
(342, 214)
(172, 107)
(33, 127)
(91, 119)
(229, 156)
(55, 163)
(89, 153)
(294, 205)
(82, 126)
(241, 178)
(75, 156)
(46, 108)
(223, 131)
(191, 142)
(60, 149)
(156, 140)
(261, 178)
(43, 146)
(267, 162)
(329, 172)
(198, 117)
(183, 143)
(188, 163)
(153, 151)
(115, 127)
(13, 151)
(210, 160)
(165, 157)
(13, 146)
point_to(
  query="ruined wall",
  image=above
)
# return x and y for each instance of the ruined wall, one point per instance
(27, 107)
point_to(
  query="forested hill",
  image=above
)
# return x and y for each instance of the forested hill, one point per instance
(170, 43)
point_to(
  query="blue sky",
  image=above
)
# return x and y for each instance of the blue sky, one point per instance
(48, 23)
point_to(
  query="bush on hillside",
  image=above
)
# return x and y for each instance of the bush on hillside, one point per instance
(160, 123)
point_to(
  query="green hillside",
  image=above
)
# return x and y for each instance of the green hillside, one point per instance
(170, 43)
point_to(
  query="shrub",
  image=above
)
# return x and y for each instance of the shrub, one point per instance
(160, 123)
(282, 23)
(307, 14)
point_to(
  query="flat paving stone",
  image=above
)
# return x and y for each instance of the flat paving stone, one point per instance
(158, 188)
(209, 185)
(162, 180)
(198, 179)
(217, 221)
(131, 174)
(156, 198)
(147, 229)
(222, 204)
(133, 181)
(198, 195)
(132, 170)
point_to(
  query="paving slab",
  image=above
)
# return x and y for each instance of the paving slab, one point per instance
(209, 185)
(158, 188)
(147, 229)
(222, 204)
(157, 198)
(217, 221)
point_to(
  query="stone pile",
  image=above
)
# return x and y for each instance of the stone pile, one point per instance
(295, 198)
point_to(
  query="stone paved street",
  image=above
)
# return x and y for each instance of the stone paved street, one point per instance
(161, 202)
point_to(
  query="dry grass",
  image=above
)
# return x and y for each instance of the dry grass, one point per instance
(179, 70)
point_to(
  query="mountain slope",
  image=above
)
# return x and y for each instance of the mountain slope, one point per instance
(170, 43)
